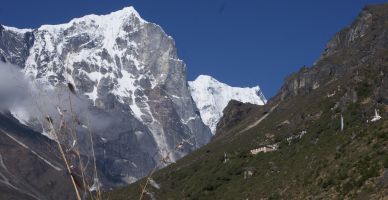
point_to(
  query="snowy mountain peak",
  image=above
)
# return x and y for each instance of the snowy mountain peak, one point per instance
(111, 20)
(206, 78)
(212, 96)
(115, 18)
(16, 30)
(95, 51)
(209, 80)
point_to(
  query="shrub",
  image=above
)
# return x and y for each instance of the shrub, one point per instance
(364, 89)
(385, 162)
(327, 183)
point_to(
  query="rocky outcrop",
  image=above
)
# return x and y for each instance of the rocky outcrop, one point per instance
(15, 44)
(234, 113)
(349, 50)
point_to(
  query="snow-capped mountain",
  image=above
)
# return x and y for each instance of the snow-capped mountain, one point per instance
(129, 72)
(212, 96)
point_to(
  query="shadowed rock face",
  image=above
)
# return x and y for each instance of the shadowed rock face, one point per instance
(129, 71)
(233, 114)
(29, 165)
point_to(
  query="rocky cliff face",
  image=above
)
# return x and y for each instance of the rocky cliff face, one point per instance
(128, 70)
(356, 46)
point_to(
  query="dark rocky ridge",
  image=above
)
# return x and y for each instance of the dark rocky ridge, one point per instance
(234, 114)
(335, 61)
(353, 47)
(352, 51)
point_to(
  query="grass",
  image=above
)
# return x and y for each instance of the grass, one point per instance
(324, 163)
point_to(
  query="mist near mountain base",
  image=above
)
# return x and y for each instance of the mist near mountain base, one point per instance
(34, 102)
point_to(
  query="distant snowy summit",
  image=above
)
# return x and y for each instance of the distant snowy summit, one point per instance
(212, 96)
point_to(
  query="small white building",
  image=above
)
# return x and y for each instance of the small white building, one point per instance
(330, 95)
(376, 117)
(265, 149)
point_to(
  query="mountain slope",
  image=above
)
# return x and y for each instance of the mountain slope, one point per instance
(317, 156)
(29, 165)
(212, 96)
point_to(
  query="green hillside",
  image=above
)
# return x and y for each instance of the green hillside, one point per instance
(350, 79)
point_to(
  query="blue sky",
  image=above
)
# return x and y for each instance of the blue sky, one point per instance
(239, 42)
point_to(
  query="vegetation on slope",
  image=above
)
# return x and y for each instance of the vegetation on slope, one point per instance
(350, 81)
(324, 163)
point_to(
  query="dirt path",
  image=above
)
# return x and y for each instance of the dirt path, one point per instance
(259, 120)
